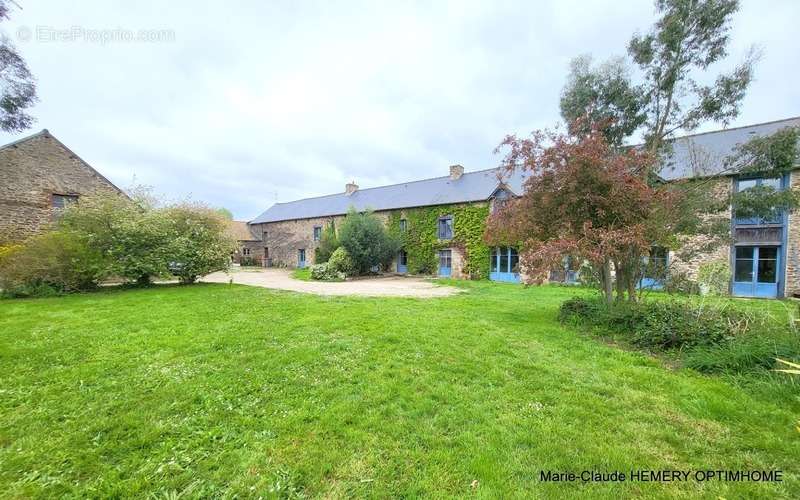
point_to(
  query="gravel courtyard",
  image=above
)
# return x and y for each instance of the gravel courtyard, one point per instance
(384, 286)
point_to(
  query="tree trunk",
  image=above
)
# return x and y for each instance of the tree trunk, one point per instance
(620, 279)
(632, 292)
(608, 291)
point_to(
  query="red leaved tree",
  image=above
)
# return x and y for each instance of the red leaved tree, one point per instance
(586, 199)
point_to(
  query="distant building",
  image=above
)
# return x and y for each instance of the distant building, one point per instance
(429, 215)
(39, 176)
(248, 247)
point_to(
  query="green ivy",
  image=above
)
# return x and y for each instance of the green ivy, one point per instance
(421, 242)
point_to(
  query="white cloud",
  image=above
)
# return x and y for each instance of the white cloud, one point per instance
(254, 99)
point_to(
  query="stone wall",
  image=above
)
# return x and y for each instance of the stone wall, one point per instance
(694, 251)
(31, 172)
(792, 253)
(283, 240)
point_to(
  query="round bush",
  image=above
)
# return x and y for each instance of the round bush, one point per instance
(341, 262)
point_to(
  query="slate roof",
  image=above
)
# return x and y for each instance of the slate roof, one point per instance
(471, 186)
(692, 156)
(702, 155)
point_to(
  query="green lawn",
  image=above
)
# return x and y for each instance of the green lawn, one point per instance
(219, 390)
(302, 273)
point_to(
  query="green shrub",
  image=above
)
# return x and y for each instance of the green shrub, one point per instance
(249, 262)
(328, 243)
(713, 277)
(680, 282)
(663, 324)
(341, 262)
(198, 241)
(579, 309)
(711, 338)
(51, 263)
(130, 232)
(326, 272)
(365, 238)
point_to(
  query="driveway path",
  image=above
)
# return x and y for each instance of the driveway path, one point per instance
(383, 286)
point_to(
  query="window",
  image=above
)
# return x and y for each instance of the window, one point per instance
(743, 269)
(317, 233)
(403, 225)
(402, 258)
(504, 260)
(745, 184)
(62, 201)
(446, 228)
(767, 264)
(656, 263)
(245, 251)
(445, 259)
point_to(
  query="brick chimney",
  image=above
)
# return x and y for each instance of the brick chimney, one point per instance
(456, 171)
(350, 188)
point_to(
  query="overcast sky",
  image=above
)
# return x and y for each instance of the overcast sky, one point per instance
(240, 104)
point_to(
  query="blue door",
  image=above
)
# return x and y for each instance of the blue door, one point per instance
(445, 263)
(301, 258)
(755, 271)
(504, 265)
(402, 262)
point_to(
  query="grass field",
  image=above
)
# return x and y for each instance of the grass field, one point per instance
(218, 390)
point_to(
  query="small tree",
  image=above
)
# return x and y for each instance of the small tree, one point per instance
(365, 238)
(684, 43)
(602, 96)
(17, 84)
(130, 232)
(585, 198)
(199, 244)
(328, 243)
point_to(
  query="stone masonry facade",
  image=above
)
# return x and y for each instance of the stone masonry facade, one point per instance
(690, 264)
(792, 264)
(33, 171)
(282, 240)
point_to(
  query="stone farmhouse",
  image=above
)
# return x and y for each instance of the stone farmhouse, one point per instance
(440, 222)
(39, 176)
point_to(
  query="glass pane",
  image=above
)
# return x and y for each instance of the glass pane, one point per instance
(768, 253)
(493, 261)
(744, 252)
(744, 271)
(746, 184)
(445, 228)
(444, 259)
(503, 260)
(514, 261)
(774, 182)
(767, 270)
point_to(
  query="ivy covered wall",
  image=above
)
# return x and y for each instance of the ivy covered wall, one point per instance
(421, 243)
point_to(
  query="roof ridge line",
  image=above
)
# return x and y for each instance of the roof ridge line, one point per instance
(770, 122)
(383, 186)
